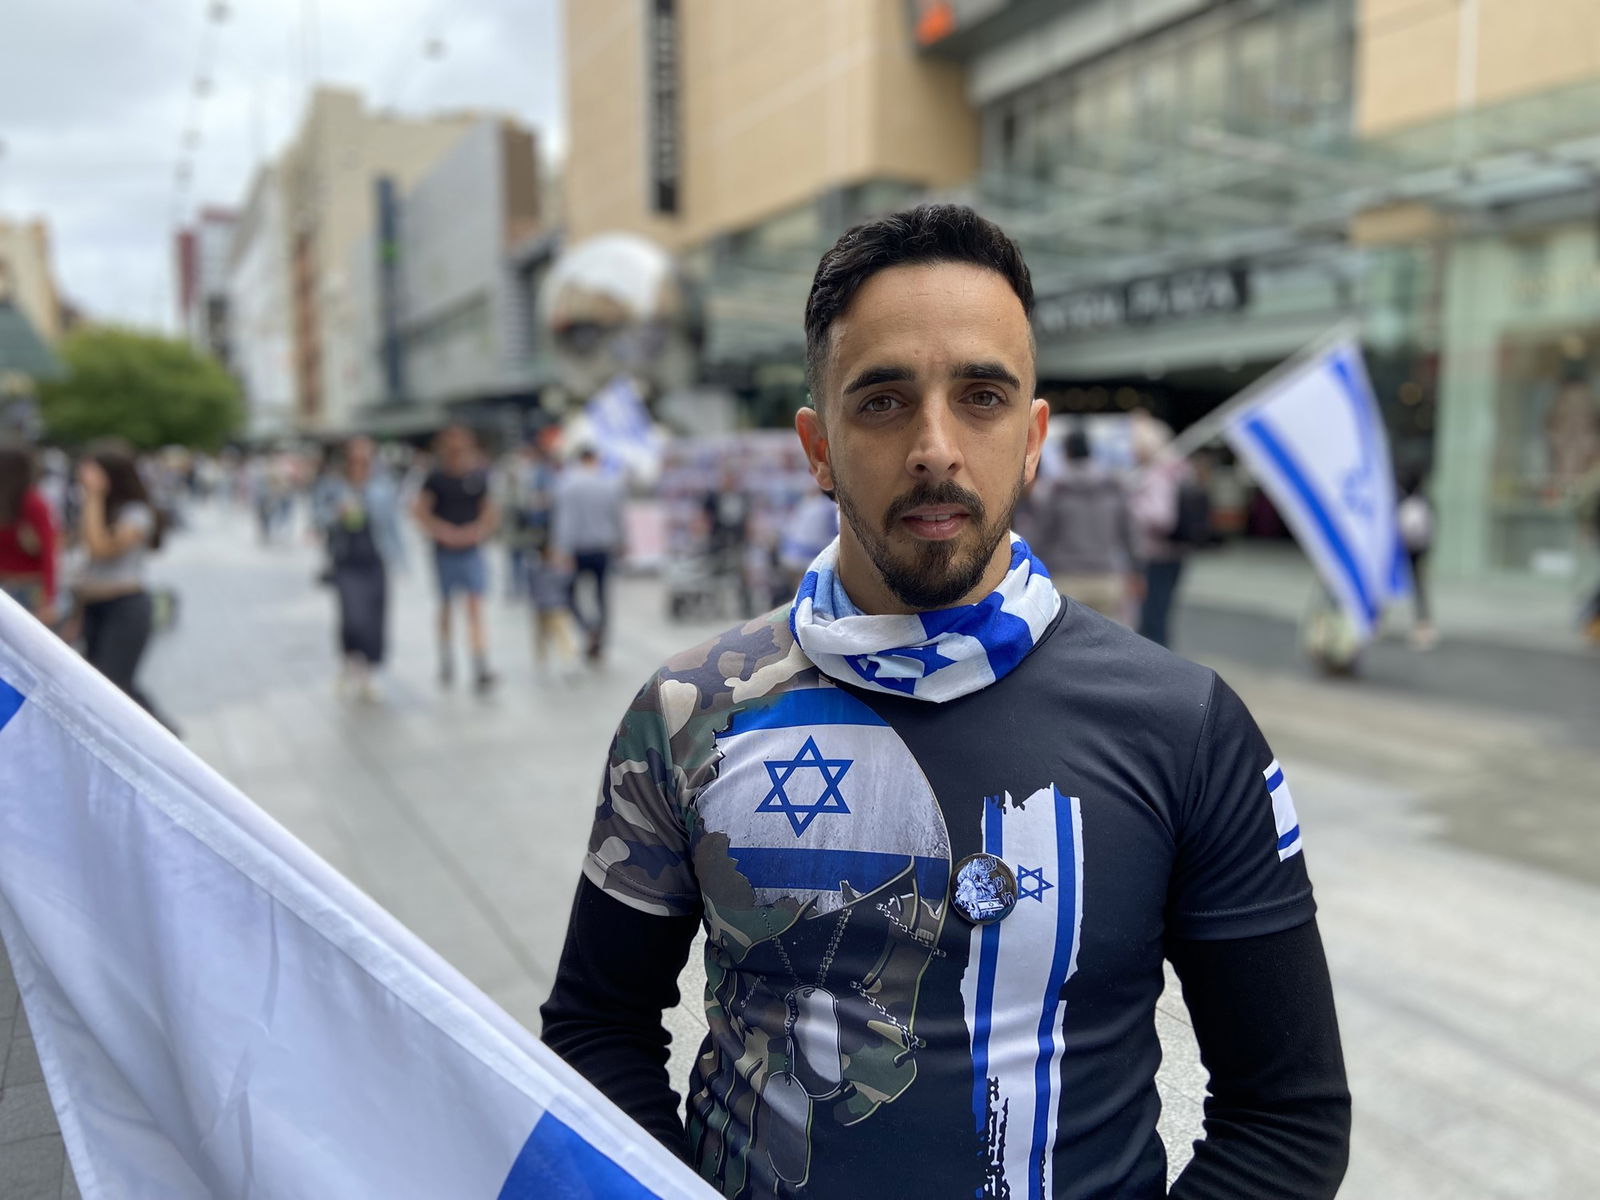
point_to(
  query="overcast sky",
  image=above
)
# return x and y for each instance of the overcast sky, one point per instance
(95, 96)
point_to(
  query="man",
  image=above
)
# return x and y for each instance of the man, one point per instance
(941, 825)
(457, 513)
(588, 530)
(1085, 532)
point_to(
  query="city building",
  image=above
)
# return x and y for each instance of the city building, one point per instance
(27, 276)
(261, 309)
(328, 177)
(1202, 187)
(202, 252)
(442, 303)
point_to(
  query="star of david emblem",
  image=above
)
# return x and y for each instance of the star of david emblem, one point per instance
(782, 770)
(1031, 883)
(870, 666)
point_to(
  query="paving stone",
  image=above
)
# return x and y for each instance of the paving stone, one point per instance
(25, 1113)
(32, 1169)
(23, 1064)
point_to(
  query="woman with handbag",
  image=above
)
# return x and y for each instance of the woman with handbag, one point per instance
(357, 508)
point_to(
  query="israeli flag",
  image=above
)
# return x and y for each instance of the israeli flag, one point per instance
(1312, 436)
(218, 1013)
(1283, 814)
(627, 439)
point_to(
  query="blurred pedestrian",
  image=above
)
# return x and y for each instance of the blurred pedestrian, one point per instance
(727, 511)
(524, 485)
(27, 536)
(550, 591)
(587, 527)
(357, 509)
(1163, 526)
(457, 513)
(118, 528)
(1083, 531)
(1415, 516)
(812, 524)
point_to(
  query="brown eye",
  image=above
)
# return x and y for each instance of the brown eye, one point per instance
(986, 399)
(877, 404)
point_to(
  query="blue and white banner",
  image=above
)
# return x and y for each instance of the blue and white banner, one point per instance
(219, 1013)
(627, 439)
(1313, 437)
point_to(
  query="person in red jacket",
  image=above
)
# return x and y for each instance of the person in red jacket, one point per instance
(27, 536)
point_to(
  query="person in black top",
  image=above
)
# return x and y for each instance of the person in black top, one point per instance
(458, 514)
(941, 825)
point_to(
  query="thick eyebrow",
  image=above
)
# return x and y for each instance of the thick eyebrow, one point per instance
(992, 371)
(873, 376)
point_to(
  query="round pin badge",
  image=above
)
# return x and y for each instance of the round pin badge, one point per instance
(983, 889)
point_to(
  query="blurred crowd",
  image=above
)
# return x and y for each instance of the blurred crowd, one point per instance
(731, 523)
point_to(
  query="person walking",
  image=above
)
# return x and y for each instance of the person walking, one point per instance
(457, 513)
(357, 509)
(119, 527)
(27, 536)
(1084, 532)
(550, 592)
(1156, 503)
(940, 828)
(1415, 517)
(588, 529)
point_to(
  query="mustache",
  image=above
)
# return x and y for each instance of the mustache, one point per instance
(947, 492)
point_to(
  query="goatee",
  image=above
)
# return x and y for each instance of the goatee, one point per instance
(933, 574)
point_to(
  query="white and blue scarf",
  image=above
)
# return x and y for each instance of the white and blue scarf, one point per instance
(934, 656)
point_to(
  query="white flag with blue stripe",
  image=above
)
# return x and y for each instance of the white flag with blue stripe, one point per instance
(219, 1013)
(1313, 437)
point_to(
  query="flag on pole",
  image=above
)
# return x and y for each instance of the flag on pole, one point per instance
(218, 1013)
(1313, 437)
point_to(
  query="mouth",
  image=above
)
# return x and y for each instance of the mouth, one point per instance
(935, 522)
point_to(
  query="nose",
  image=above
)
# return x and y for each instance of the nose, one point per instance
(935, 453)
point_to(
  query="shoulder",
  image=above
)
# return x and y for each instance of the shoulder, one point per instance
(696, 692)
(1126, 674)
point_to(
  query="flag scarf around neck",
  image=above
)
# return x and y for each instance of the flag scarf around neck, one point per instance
(217, 1012)
(934, 656)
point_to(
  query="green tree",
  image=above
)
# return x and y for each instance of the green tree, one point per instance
(153, 391)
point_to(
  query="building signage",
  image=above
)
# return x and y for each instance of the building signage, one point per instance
(1204, 291)
(665, 145)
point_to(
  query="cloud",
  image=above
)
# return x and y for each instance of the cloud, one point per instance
(96, 97)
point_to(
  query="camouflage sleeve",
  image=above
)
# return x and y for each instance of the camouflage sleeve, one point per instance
(639, 849)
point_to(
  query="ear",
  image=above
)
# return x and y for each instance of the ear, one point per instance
(814, 440)
(1038, 426)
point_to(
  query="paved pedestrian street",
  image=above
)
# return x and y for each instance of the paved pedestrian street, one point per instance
(1460, 921)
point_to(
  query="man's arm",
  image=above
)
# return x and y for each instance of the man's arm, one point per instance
(619, 972)
(1278, 1113)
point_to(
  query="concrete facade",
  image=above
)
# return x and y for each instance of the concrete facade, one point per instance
(261, 308)
(203, 253)
(778, 104)
(1418, 60)
(463, 318)
(328, 178)
(27, 277)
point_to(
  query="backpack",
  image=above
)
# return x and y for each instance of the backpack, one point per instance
(1193, 525)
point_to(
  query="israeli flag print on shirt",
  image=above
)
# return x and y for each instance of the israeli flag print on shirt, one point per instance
(815, 792)
(1283, 814)
(1016, 969)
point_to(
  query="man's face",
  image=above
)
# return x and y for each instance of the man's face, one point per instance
(455, 451)
(927, 433)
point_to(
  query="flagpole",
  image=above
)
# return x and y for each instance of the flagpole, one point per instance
(1213, 423)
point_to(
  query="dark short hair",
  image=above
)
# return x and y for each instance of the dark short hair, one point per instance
(929, 233)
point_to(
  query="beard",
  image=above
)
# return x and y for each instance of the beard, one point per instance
(930, 575)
